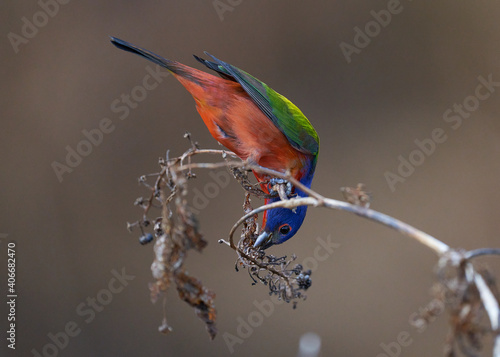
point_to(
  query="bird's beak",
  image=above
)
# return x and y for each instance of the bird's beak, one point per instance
(264, 240)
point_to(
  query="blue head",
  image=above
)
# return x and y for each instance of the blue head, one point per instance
(281, 224)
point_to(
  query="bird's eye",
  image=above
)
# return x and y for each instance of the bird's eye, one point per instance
(285, 229)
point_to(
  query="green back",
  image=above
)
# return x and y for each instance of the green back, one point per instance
(283, 113)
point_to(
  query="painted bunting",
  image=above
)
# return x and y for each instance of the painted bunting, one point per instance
(257, 124)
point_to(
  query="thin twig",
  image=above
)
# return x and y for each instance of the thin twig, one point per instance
(460, 259)
(318, 200)
(481, 251)
(404, 228)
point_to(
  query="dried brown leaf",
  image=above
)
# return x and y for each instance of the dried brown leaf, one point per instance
(192, 291)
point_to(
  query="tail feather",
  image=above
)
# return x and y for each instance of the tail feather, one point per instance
(172, 66)
(127, 46)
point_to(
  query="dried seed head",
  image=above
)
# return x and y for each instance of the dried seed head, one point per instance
(145, 239)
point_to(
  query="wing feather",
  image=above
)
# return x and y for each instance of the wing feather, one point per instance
(282, 112)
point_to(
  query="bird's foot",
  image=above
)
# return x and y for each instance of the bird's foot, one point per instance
(281, 187)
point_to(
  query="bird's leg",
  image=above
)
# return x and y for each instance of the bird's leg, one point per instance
(281, 187)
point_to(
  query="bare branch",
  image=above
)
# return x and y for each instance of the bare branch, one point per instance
(467, 291)
(482, 251)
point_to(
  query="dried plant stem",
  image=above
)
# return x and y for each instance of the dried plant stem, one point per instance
(170, 166)
(315, 199)
(468, 288)
(318, 200)
(404, 228)
(482, 251)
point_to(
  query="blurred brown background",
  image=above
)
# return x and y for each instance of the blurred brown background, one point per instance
(71, 235)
